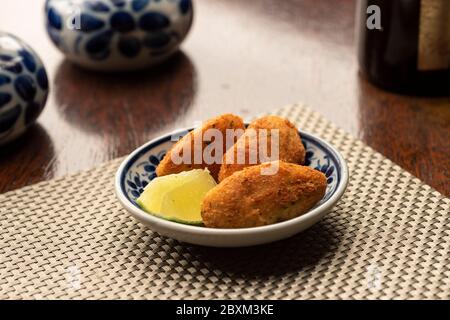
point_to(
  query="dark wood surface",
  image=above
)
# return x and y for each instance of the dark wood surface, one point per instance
(245, 57)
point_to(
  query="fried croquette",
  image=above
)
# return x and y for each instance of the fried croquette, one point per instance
(249, 199)
(221, 123)
(290, 148)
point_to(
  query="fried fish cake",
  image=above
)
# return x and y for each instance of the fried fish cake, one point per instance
(221, 123)
(291, 148)
(249, 199)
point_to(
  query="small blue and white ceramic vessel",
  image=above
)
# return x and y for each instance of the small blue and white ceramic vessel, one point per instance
(138, 169)
(23, 87)
(118, 35)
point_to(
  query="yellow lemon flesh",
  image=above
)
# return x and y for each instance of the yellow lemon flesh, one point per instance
(177, 197)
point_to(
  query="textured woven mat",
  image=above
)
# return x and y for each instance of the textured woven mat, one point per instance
(387, 238)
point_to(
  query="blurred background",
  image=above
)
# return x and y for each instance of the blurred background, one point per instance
(245, 57)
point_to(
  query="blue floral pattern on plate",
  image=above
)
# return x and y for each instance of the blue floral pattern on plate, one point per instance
(137, 180)
(140, 170)
(23, 87)
(119, 33)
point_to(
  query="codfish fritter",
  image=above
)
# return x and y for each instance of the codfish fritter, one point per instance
(291, 148)
(221, 123)
(249, 199)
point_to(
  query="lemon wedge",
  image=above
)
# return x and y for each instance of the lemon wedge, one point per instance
(177, 197)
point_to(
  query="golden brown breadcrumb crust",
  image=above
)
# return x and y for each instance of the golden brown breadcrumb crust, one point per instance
(222, 123)
(249, 199)
(291, 148)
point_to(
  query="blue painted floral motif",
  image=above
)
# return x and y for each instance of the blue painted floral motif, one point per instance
(4, 80)
(129, 46)
(137, 181)
(153, 21)
(89, 23)
(28, 60)
(14, 67)
(23, 88)
(326, 169)
(5, 57)
(118, 3)
(137, 24)
(138, 5)
(42, 79)
(157, 41)
(97, 46)
(5, 98)
(54, 19)
(96, 6)
(308, 156)
(122, 21)
(185, 6)
(321, 163)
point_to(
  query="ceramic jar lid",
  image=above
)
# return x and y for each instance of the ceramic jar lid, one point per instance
(115, 35)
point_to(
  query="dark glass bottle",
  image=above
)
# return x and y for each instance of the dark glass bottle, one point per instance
(404, 45)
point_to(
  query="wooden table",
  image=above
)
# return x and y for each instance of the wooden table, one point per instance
(245, 57)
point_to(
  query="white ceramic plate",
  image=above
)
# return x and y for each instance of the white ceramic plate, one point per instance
(138, 169)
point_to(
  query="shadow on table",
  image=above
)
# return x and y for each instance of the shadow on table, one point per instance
(128, 102)
(298, 253)
(34, 148)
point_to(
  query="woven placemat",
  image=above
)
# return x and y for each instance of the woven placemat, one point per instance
(387, 238)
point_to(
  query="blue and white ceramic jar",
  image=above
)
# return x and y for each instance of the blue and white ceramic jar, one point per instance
(23, 87)
(117, 35)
